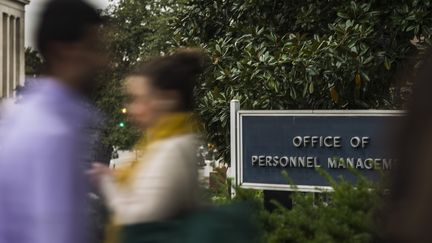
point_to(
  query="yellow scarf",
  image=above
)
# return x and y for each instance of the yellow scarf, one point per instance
(168, 126)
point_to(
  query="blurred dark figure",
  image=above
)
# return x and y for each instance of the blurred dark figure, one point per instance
(408, 216)
(44, 145)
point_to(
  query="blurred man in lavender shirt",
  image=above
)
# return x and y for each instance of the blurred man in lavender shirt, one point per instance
(44, 141)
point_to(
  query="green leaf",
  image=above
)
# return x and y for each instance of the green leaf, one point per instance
(311, 88)
(387, 63)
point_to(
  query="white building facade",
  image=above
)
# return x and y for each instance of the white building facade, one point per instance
(12, 49)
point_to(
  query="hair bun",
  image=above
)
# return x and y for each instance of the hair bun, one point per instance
(192, 60)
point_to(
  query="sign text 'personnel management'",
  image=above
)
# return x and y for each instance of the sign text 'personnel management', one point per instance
(334, 162)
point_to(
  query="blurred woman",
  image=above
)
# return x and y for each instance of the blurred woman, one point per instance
(162, 183)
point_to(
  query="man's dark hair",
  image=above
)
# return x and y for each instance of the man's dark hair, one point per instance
(65, 21)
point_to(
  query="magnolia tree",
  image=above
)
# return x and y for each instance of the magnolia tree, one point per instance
(310, 54)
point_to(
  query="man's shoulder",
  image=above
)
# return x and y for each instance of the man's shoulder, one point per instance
(33, 120)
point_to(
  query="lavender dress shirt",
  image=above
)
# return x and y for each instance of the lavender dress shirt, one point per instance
(44, 148)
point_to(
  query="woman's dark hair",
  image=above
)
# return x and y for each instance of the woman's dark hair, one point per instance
(177, 72)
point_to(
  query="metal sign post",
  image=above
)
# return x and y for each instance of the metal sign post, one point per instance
(234, 108)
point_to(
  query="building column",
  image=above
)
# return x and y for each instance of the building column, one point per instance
(12, 56)
(1, 56)
(5, 47)
(21, 51)
(17, 51)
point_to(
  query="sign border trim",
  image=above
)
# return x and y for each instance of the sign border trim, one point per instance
(257, 113)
